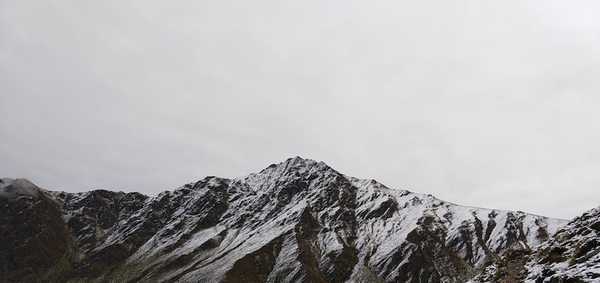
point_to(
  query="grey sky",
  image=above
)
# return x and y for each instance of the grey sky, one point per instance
(485, 103)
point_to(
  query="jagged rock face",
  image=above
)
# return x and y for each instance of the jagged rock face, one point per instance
(35, 243)
(297, 221)
(572, 255)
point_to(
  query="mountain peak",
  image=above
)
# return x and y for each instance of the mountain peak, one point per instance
(296, 161)
(14, 188)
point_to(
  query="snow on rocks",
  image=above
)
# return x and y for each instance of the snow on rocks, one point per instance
(573, 253)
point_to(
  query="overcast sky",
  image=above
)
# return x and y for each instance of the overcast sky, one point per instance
(484, 103)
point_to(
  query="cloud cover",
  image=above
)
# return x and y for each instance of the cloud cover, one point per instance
(477, 102)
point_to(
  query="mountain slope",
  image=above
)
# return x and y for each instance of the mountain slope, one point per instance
(573, 253)
(297, 221)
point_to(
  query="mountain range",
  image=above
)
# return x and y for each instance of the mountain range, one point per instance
(296, 221)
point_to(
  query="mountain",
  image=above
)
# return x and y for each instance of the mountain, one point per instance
(296, 221)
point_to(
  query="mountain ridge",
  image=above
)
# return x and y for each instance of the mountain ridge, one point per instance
(296, 221)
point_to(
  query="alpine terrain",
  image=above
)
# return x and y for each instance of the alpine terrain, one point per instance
(296, 221)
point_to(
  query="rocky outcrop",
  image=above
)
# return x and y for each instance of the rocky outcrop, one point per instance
(572, 254)
(296, 221)
(35, 243)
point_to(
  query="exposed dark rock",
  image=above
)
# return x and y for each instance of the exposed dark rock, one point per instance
(35, 243)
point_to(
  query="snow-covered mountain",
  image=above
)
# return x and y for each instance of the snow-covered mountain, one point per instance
(296, 221)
